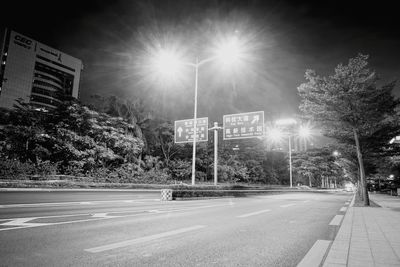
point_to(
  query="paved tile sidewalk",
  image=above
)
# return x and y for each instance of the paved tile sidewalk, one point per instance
(368, 236)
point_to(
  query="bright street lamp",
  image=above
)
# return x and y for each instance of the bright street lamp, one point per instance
(229, 52)
(335, 153)
(275, 135)
(304, 131)
(168, 63)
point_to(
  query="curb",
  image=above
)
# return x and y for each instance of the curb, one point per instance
(336, 251)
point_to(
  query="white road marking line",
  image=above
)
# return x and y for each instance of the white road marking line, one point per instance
(143, 239)
(103, 215)
(287, 205)
(347, 203)
(85, 203)
(154, 211)
(336, 220)
(253, 213)
(343, 209)
(305, 201)
(23, 222)
(142, 212)
(316, 254)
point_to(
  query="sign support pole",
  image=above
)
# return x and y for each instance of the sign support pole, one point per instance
(215, 153)
(215, 128)
(290, 163)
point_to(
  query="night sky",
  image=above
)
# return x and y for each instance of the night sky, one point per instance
(285, 38)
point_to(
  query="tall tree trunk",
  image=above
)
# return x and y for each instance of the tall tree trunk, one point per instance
(363, 180)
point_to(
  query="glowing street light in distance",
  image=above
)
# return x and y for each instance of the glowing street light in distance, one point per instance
(304, 131)
(275, 134)
(288, 121)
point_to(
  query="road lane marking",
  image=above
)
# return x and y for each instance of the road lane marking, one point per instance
(103, 215)
(23, 222)
(343, 209)
(316, 254)
(154, 211)
(143, 239)
(287, 205)
(252, 214)
(347, 203)
(99, 216)
(336, 220)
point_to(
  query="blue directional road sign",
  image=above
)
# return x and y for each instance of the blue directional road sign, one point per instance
(184, 130)
(243, 125)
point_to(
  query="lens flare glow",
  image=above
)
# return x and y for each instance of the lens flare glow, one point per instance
(167, 64)
(304, 131)
(229, 51)
(284, 122)
(275, 135)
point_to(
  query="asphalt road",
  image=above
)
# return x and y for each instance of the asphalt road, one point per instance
(137, 229)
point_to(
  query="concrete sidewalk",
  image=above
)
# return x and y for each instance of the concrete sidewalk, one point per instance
(368, 236)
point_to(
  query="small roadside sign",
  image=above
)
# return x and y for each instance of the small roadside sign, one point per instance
(243, 125)
(184, 130)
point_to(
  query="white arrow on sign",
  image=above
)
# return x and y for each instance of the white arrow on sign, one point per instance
(256, 119)
(180, 130)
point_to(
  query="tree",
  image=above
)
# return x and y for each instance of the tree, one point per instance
(133, 111)
(350, 106)
(164, 141)
(320, 163)
(72, 134)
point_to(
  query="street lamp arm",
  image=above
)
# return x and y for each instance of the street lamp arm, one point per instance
(199, 63)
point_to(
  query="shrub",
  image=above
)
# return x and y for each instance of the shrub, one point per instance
(44, 168)
(180, 169)
(151, 162)
(154, 176)
(14, 169)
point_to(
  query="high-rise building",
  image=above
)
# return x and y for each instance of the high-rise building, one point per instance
(34, 72)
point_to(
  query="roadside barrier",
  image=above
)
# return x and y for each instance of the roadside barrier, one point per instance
(166, 194)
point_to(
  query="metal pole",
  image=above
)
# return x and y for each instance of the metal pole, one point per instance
(215, 153)
(290, 163)
(195, 121)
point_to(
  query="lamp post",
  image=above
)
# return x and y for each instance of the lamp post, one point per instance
(275, 134)
(288, 122)
(168, 62)
(336, 154)
(196, 85)
(290, 163)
